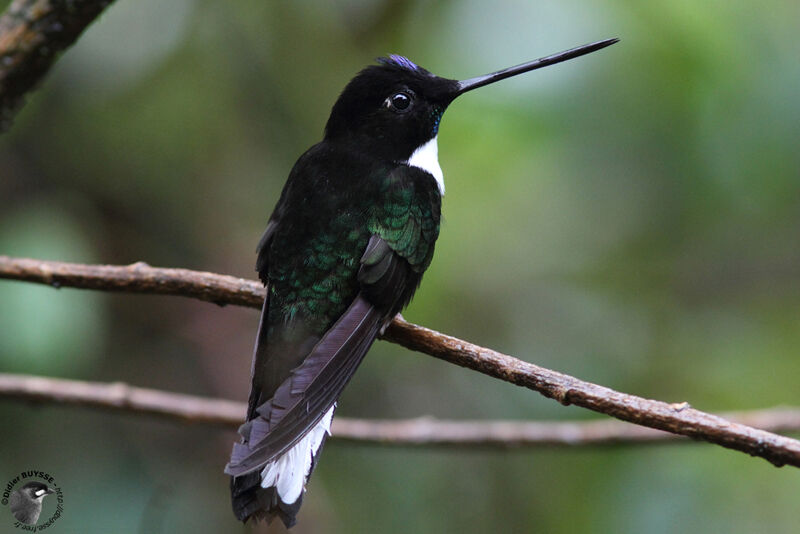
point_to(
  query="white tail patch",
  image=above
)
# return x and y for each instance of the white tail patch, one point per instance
(426, 158)
(289, 473)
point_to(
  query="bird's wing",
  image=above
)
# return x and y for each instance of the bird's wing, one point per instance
(403, 229)
(301, 401)
(262, 250)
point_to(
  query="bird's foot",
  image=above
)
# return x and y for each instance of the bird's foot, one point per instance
(386, 325)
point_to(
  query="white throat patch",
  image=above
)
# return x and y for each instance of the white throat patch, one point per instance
(426, 158)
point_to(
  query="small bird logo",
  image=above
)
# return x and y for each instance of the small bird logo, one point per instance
(26, 502)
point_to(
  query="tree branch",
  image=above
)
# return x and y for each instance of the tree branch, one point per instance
(675, 418)
(32, 35)
(137, 278)
(419, 431)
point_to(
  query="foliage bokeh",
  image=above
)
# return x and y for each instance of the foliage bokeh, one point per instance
(630, 218)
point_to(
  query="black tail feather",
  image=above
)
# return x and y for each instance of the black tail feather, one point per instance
(251, 501)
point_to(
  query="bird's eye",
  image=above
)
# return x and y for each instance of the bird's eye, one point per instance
(399, 102)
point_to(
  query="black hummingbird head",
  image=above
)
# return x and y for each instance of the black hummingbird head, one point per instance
(393, 108)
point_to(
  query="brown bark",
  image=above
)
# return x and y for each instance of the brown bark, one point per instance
(677, 418)
(420, 431)
(32, 35)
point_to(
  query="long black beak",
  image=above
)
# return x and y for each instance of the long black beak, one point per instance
(486, 79)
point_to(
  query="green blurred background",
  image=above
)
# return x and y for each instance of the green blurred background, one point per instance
(630, 218)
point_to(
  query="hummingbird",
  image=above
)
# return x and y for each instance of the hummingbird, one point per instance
(343, 253)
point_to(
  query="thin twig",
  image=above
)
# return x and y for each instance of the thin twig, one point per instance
(32, 35)
(678, 418)
(420, 431)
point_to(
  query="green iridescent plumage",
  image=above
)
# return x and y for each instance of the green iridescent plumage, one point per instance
(405, 220)
(323, 288)
(320, 287)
